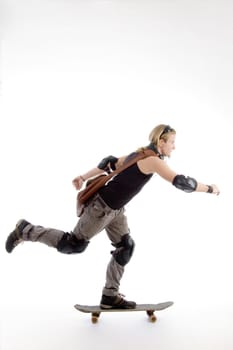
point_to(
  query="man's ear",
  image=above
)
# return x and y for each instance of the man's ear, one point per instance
(161, 142)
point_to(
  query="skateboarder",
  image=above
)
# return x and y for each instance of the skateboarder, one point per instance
(105, 210)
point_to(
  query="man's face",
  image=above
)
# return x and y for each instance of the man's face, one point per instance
(166, 147)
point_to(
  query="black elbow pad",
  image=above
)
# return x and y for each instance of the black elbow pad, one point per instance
(108, 163)
(185, 183)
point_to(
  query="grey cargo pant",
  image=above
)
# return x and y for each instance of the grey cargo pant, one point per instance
(96, 217)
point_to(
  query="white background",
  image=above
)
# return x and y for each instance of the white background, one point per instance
(84, 79)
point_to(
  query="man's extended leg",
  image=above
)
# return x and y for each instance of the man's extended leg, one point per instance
(65, 242)
(25, 231)
(93, 220)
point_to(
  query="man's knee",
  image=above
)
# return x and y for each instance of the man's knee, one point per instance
(69, 244)
(124, 250)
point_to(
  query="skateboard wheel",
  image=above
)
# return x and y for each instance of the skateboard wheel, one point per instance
(151, 315)
(95, 317)
(153, 318)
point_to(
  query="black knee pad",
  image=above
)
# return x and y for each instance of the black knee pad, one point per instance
(69, 244)
(124, 250)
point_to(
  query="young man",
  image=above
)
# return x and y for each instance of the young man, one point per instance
(105, 210)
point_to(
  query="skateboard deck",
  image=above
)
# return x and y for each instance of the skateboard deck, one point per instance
(96, 310)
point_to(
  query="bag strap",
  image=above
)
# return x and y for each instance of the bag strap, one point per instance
(140, 155)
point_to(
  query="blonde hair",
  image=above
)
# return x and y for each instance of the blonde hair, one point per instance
(161, 131)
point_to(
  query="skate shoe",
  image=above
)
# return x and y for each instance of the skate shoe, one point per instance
(15, 237)
(116, 302)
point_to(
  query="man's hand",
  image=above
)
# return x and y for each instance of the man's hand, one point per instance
(78, 182)
(215, 189)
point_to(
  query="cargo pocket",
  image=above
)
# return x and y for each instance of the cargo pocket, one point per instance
(96, 210)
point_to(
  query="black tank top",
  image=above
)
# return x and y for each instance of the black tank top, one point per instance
(124, 186)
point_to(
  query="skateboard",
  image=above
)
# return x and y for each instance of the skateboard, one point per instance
(96, 310)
